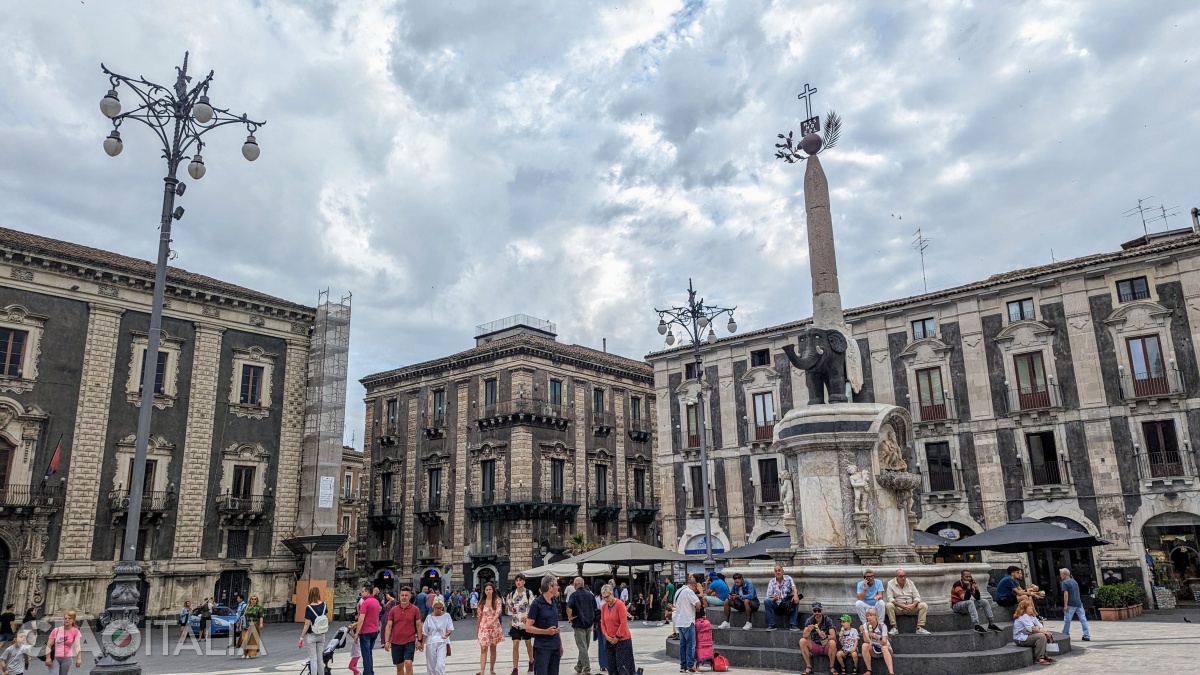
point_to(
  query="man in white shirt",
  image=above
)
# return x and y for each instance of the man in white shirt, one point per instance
(904, 598)
(687, 603)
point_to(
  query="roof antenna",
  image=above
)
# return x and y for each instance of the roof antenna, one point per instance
(1140, 211)
(1167, 212)
(921, 242)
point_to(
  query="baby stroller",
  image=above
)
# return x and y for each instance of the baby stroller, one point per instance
(338, 640)
(704, 641)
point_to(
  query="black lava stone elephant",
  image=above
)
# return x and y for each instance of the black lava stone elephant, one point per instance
(822, 356)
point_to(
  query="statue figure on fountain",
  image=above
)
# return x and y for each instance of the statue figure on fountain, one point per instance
(890, 456)
(858, 482)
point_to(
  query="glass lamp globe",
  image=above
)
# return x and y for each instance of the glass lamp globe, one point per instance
(712, 337)
(113, 145)
(202, 111)
(670, 339)
(196, 167)
(662, 326)
(703, 322)
(250, 149)
(732, 326)
(110, 105)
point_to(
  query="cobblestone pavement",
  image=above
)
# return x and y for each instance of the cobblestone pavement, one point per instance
(1164, 640)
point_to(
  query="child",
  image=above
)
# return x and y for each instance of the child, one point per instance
(339, 640)
(15, 658)
(849, 641)
(355, 654)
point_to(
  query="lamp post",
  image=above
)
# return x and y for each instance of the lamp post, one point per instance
(180, 118)
(691, 320)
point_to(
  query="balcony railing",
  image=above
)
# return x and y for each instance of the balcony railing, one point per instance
(1036, 397)
(1168, 464)
(487, 550)
(603, 423)
(603, 507)
(1163, 385)
(429, 552)
(20, 497)
(640, 431)
(942, 480)
(761, 431)
(641, 508)
(434, 424)
(522, 503)
(693, 440)
(349, 496)
(431, 509)
(769, 493)
(1048, 473)
(152, 502)
(934, 411)
(1134, 294)
(524, 411)
(385, 517)
(243, 506)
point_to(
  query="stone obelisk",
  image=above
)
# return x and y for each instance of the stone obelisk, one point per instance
(822, 260)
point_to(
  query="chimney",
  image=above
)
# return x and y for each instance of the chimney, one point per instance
(606, 339)
(1195, 220)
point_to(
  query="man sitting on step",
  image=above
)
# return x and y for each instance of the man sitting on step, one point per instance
(782, 596)
(964, 599)
(743, 598)
(820, 638)
(904, 598)
(870, 596)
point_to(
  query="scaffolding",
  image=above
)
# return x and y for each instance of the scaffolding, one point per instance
(325, 410)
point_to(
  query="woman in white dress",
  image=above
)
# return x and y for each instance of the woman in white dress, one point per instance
(437, 629)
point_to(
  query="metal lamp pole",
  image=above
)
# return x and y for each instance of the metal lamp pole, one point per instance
(180, 118)
(692, 320)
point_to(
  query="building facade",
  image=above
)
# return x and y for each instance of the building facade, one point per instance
(1068, 392)
(221, 488)
(351, 515)
(485, 463)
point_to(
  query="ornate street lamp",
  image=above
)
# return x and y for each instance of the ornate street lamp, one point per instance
(691, 320)
(180, 118)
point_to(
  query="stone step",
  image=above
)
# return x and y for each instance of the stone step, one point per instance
(938, 643)
(999, 659)
(938, 623)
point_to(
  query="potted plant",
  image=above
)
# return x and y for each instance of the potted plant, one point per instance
(1109, 601)
(1133, 596)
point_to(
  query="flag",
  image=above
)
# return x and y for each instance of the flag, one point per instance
(53, 468)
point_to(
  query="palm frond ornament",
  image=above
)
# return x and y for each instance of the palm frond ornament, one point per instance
(791, 151)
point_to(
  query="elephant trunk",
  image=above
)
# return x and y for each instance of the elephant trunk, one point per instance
(803, 361)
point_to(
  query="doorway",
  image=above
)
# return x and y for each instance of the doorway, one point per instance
(1173, 547)
(231, 584)
(1045, 564)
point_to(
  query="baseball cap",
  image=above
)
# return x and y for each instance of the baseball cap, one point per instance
(817, 605)
(846, 618)
(712, 575)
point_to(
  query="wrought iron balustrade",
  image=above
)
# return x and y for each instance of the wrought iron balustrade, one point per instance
(1163, 384)
(152, 502)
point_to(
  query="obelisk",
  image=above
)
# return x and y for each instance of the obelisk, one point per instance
(822, 259)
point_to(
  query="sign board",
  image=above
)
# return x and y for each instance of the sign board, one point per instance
(811, 125)
(325, 494)
(950, 533)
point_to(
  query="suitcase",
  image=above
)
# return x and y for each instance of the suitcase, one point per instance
(704, 641)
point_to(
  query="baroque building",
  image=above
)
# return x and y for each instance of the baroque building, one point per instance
(485, 462)
(351, 515)
(220, 488)
(1068, 392)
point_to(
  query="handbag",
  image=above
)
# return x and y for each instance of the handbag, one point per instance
(448, 649)
(720, 663)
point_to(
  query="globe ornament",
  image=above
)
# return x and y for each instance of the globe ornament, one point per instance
(811, 144)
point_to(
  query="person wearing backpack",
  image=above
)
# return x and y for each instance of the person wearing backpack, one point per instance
(581, 612)
(316, 624)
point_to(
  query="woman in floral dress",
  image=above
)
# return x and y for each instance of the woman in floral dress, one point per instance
(488, 632)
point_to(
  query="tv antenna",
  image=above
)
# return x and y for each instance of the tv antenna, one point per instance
(1140, 211)
(921, 242)
(1166, 212)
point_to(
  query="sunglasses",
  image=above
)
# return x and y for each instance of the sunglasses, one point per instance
(816, 611)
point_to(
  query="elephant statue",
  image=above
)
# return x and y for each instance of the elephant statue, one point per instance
(822, 356)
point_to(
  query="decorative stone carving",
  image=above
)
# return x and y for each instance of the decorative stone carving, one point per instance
(858, 482)
(19, 318)
(21, 274)
(890, 455)
(1139, 315)
(928, 350)
(1024, 334)
(108, 291)
(787, 495)
(211, 312)
(257, 321)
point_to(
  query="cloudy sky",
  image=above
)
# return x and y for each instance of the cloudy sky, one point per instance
(455, 162)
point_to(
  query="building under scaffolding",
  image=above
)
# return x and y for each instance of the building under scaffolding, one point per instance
(316, 535)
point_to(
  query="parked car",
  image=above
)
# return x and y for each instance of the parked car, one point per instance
(223, 618)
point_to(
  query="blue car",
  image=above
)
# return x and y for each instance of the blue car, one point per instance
(222, 621)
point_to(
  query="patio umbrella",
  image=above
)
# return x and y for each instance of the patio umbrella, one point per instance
(628, 552)
(757, 550)
(1025, 536)
(923, 538)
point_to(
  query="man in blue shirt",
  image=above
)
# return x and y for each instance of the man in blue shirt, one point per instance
(422, 602)
(1072, 604)
(239, 625)
(1009, 590)
(542, 623)
(718, 591)
(743, 598)
(870, 595)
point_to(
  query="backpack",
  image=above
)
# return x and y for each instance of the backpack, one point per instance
(320, 625)
(720, 663)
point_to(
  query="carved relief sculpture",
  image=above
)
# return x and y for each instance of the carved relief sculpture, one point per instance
(890, 456)
(858, 482)
(786, 494)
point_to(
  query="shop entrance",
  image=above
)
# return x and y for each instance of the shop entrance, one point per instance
(1172, 546)
(1045, 564)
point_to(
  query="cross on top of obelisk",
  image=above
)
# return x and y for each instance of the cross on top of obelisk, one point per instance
(810, 125)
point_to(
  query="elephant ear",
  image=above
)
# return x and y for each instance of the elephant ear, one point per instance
(837, 341)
